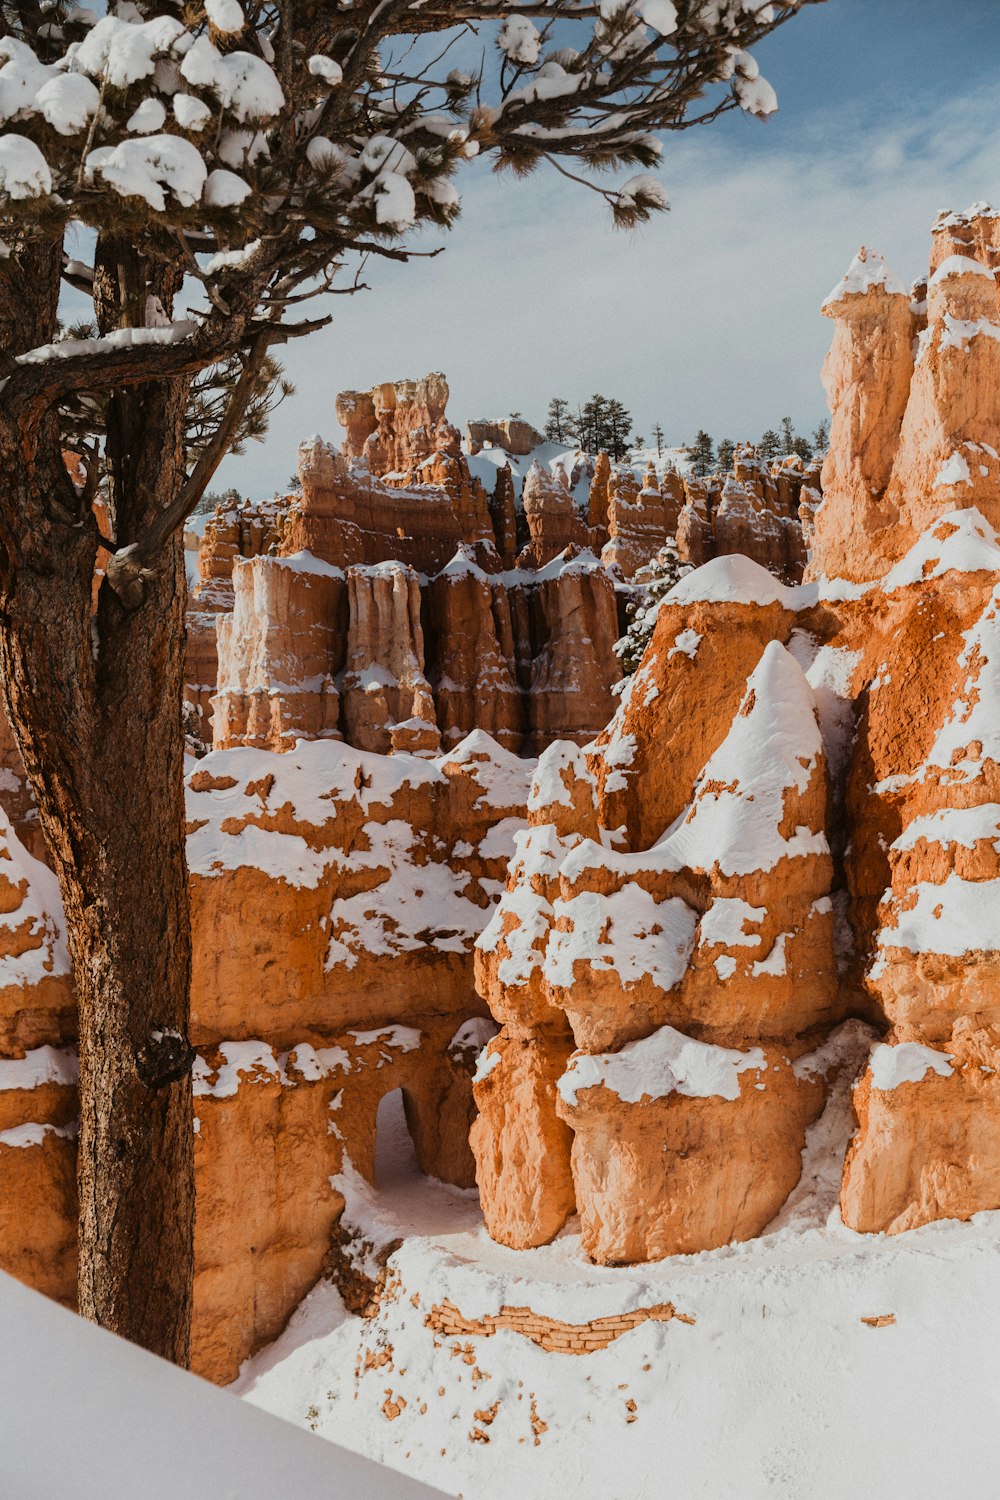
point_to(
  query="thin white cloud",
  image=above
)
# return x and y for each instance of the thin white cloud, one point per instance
(706, 318)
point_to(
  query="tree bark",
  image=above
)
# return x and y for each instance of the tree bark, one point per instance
(94, 702)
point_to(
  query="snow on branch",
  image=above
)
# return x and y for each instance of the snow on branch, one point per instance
(255, 148)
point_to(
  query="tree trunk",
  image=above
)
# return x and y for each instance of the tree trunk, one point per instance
(94, 702)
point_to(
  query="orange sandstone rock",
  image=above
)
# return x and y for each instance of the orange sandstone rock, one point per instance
(928, 1143)
(637, 522)
(279, 652)
(554, 522)
(522, 1147)
(651, 1173)
(397, 424)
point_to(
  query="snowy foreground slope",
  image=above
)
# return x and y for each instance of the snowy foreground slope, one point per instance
(778, 1385)
(89, 1416)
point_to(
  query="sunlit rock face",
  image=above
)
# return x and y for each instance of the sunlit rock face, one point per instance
(396, 604)
(792, 819)
(336, 895)
(517, 582)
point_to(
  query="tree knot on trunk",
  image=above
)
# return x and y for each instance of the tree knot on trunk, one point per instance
(164, 1058)
(128, 575)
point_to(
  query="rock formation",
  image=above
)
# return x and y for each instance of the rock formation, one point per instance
(293, 636)
(673, 967)
(553, 520)
(637, 522)
(395, 426)
(793, 818)
(385, 608)
(242, 530)
(279, 651)
(512, 434)
(335, 898)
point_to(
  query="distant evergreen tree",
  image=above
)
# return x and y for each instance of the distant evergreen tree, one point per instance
(601, 424)
(702, 454)
(638, 441)
(821, 437)
(594, 436)
(769, 446)
(658, 439)
(792, 443)
(575, 427)
(618, 425)
(654, 582)
(558, 420)
(725, 453)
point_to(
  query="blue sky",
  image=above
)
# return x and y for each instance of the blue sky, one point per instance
(709, 316)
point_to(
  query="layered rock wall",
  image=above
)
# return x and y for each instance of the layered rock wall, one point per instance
(509, 625)
(792, 819)
(335, 899)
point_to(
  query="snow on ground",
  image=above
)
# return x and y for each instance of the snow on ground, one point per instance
(553, 456)
(89, 1416)
(779, 1387)
(487, 462)
(677, 459)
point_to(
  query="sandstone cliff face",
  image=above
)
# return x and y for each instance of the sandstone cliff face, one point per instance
(471, 662)
(398, 424)
(867, 376)
(792, 818)
(351, 514)
(510, 433)
(504, 633)
(381, 615)
(279, 652)
(669, 963)
(553, 520)
(636, 520)
(388, 703)
(242, 530)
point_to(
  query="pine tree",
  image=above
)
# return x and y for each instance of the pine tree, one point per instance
(618, 424)
(303, 175)
(658, 439)
(787, 436)
(653, 583)
(596, 437)
(769, 446)
(557, 422)
(725, 454)
(702, 454)
(821, 437)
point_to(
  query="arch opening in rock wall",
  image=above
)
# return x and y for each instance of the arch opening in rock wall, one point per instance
(395, 1159)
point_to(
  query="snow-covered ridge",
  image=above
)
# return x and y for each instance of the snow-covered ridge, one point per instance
(252, 1062)
(868, 271)
(962, 541)
(668, 1062)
